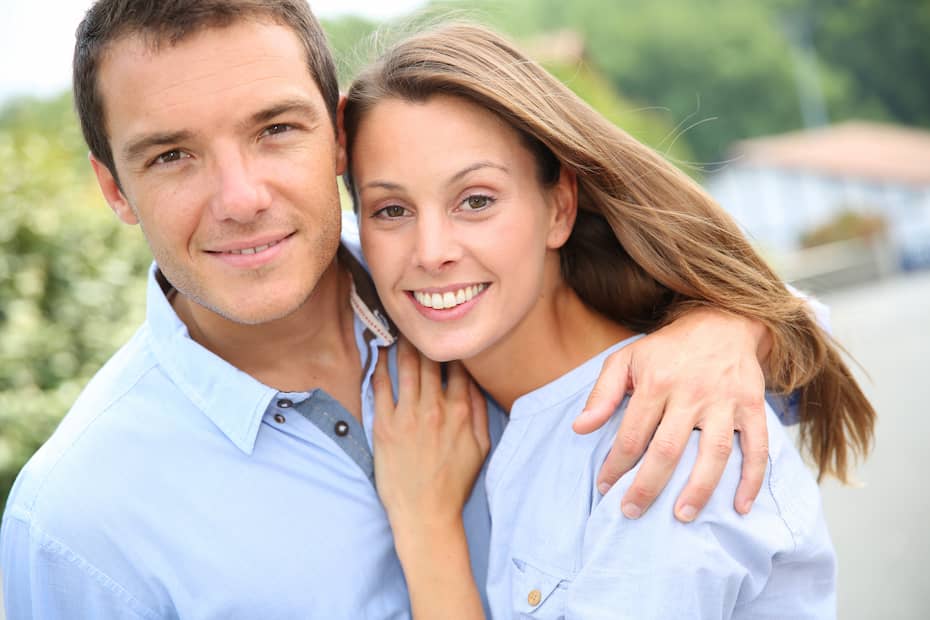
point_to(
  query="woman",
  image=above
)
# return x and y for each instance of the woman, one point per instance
(510, 226)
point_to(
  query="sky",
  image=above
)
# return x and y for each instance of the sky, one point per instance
(37, 38)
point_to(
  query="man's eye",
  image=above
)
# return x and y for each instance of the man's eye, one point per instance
(170, 156)
(277, 128)
(477, 202)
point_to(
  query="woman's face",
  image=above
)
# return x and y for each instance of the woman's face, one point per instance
(460, 235)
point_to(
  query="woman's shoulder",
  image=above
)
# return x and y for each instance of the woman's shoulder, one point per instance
(785, 514)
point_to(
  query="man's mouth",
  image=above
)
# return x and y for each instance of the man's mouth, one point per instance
(448, 299)
(255, 250)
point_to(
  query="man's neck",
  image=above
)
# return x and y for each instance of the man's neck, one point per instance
(313, 347)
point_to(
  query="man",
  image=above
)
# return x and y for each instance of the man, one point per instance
(219, 465)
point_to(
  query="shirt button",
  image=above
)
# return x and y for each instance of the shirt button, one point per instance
(285, 403)
(280, 419)
(534, 597)
(342, 429)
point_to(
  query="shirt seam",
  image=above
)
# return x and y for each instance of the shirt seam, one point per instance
(53, 466)
(55, 546)
(778, 505)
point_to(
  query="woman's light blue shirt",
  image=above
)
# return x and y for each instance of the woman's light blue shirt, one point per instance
(561, 550)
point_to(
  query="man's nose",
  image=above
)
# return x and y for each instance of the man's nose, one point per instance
(240, 193)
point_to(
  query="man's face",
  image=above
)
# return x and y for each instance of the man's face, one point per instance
(228, 160)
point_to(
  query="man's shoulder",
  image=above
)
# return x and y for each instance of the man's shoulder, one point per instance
(84, 440)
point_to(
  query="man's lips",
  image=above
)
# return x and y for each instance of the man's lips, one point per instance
(252, 253)
(251, 246)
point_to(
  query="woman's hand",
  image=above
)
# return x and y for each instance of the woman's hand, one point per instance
(429, 448)
(701, 371)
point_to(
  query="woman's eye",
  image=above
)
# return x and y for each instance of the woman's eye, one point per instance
(477, 202)
(391, 211)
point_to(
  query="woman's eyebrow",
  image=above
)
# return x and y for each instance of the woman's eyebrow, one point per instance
(477, 166)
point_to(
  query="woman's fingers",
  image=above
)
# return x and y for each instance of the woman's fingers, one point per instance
(381, 384)
(408, 375)
(479, 418)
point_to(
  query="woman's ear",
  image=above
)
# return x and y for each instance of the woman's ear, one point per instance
(112, 192)
(563, 198)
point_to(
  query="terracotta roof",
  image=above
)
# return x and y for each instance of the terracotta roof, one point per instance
(858, 149)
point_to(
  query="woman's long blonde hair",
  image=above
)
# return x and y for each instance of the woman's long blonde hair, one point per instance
(677, 248)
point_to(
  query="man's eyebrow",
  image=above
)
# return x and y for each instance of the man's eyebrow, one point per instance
(299, 106)
(137, 147)
(455, 177)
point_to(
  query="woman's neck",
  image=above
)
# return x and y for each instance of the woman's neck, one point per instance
(559, 334)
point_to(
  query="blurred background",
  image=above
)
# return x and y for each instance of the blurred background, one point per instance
(809, 120)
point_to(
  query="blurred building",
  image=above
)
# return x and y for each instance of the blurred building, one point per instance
(786, 189)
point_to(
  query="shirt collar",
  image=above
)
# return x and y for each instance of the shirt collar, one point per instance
(232, 399)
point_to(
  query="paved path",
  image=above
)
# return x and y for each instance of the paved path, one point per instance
(881, 530)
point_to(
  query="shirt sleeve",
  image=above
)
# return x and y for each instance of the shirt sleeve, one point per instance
(776, 562)
(44, 580)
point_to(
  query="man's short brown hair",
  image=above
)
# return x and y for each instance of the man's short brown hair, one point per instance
(167, 22)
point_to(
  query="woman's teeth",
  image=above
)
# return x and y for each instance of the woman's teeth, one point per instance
(444, 301)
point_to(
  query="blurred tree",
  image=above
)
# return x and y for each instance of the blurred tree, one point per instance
(728, 70)
(71, 277)
(883, 46)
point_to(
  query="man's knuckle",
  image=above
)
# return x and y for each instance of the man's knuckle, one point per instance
(721, 445)
(666, 448)
(643, 492)
(629, 444)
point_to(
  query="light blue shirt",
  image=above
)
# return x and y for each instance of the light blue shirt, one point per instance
(180, 487)
(560, 550)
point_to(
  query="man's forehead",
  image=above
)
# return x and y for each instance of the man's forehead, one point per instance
(237, 69)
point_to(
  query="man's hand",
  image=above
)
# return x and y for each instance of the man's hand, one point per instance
(701, 371)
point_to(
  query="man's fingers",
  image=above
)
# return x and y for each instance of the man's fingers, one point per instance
(662, 456)
(609, 389)
(754, 442)
(640, 420)
(714, 447)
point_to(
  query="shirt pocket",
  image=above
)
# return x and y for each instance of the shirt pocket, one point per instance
(537, 593)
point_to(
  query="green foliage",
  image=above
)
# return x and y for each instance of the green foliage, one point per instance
(349, 38)
(71, 276)
(729, 70)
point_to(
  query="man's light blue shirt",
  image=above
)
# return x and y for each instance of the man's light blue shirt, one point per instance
(561, 550)
(180, 487)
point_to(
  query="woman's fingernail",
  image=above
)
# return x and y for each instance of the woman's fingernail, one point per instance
(745, 507)
(631, 511)
(603, 487)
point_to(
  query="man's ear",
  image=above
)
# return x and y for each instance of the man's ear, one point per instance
(112, 192)
(341, 136)
(563, 197)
